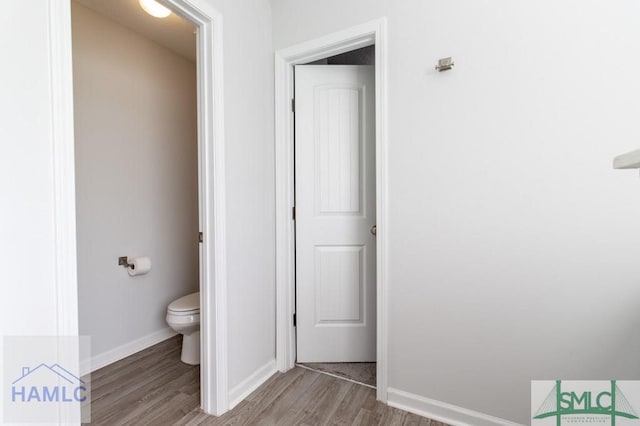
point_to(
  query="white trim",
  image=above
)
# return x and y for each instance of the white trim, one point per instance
(63, 181)
(63, 152)
(211, 169)
(251, 383)
(373, 32)
(442, 411)
(121, 352)
(382, 198)
(211, 179)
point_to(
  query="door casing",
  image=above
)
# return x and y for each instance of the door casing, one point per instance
(211, 191)
(367, 34)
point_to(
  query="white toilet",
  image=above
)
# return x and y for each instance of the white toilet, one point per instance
(183, 316)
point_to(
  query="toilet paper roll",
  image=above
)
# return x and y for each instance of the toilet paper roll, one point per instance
(139, 265)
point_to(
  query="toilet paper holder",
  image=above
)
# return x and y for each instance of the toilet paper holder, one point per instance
(135, 266)
(124, 261)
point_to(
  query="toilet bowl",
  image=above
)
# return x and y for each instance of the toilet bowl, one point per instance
(183, 316)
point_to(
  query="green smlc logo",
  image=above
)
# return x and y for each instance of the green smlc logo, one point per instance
(561, 403)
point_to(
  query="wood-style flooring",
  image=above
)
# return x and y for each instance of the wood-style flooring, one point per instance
(150, 387)
(361, 372)
(153, 387)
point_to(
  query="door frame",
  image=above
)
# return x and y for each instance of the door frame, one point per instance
(367, 34)
(211, 188)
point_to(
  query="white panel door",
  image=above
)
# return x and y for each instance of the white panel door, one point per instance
(335, 213)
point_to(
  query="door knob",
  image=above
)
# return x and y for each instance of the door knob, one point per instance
(373, 229)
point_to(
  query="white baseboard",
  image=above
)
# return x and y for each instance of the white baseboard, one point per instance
(109, 357)
(251, 383)
(442, 411)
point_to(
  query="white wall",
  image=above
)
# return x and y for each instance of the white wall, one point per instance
(136, 179)
(26, 174)
(248, 113)
(27, 285)
(513, 244)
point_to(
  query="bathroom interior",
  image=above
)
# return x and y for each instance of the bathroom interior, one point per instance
(135, 105)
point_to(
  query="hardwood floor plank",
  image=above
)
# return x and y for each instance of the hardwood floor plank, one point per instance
(385, 415)
(272, 392)
(308, 401)
(157, 401)
(271, 413)
(327, 405)
(132, 365)
(363, 418)
(430, 422)
(349, 406)
(412, 420)
(148, 387)
(153, 387)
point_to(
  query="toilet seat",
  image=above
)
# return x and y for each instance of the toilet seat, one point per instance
(187, 305)
(183, 313)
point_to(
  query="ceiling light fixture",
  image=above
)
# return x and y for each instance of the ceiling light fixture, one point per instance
(154, 8)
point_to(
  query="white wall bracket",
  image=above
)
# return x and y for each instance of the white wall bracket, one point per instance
(630, 160)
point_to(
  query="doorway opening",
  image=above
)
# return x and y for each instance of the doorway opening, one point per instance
(370, 35)
(136, 145)
(209, 171)
(334, 121)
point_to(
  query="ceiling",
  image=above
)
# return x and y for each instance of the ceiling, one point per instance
(172, 32)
